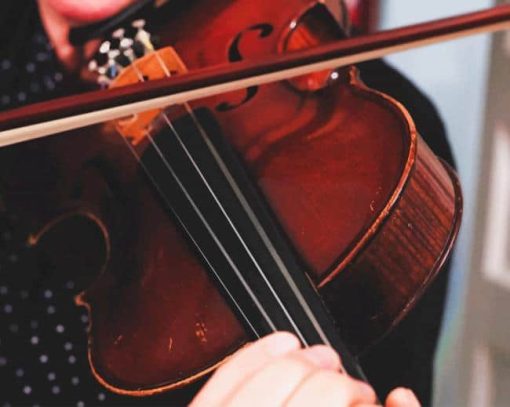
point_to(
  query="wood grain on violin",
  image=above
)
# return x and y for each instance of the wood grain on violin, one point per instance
(369, 210)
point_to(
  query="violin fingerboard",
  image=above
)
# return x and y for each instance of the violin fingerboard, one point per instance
(220, 209)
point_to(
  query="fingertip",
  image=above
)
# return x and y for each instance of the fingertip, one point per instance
(323, 357)
(233, 374)
(402, 397)
(280, 343)
(367, 391)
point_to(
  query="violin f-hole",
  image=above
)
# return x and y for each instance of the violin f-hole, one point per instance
(234, 55)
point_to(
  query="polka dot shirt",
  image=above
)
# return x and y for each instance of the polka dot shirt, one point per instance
(43, 356)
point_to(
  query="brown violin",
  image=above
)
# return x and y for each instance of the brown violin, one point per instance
(309, 204)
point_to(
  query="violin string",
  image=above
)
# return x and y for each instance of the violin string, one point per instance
(247, 209)
(183, 225)
(253, 218)
(232, 183)
(204, 221)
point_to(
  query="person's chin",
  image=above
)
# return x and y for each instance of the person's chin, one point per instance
(87, 11)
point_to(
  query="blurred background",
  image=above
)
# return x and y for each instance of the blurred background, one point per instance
(468, 80)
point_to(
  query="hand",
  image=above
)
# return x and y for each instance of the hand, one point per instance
(58, 16)
(275, 371)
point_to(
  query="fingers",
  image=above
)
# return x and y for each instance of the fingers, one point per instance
(242, 365)
(330, 388)
(275, 371)
(278, 380)
(401, 397)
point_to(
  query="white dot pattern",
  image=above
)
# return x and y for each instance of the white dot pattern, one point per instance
(43, 355)
(43, 343)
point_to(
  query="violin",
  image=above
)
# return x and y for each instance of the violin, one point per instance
(310, 205)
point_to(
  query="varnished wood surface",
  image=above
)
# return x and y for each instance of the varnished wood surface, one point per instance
(388, 277)
(341, 168)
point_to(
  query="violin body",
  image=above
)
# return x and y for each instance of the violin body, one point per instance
(370, 210)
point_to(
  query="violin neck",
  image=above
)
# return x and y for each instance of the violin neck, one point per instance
(225, 218)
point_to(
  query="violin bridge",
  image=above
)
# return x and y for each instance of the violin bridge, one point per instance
(159, 64)
(129, 56)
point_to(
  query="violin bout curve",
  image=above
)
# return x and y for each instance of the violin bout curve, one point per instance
(383, 282)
